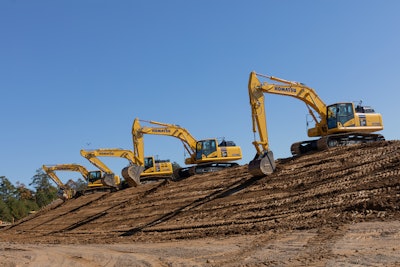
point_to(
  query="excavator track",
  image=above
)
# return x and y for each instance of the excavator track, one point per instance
(213, 167)
(334, 140)
(186, 172)
(101, 189)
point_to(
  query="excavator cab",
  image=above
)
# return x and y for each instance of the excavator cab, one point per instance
(209, 150)
(99, 179)
(148, 163)
(94, 176)
(339, 113)
(154, 169)
(205, 147)
(346, 117)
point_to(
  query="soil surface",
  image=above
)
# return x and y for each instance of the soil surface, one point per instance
(339, 207)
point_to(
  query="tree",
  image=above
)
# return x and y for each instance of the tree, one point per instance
(5, 214)
(27, 198)
(45, 192)
(7, 189)
(24, 193)
(41, 181)
(11, 206)
(17, 209)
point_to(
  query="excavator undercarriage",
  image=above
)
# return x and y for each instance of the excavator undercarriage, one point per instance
(333, 140)
(202, 168)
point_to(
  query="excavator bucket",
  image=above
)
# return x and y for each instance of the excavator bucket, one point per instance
(62, 194)
(108, 180)
(66, 193)
(261, 166)
(131, 174)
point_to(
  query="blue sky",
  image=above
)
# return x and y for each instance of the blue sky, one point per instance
(74, 74)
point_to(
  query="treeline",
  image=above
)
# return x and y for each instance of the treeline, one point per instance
(17, 201)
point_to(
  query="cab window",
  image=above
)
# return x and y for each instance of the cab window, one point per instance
(332, 117)
(205, 147)
(345, 113)
(94, 176)
(148, 163)
(342, 113)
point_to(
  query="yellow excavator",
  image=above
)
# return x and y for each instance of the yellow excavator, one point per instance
(206, 155)
(93, 179)
(152, 169)
(64, 191)
(338, 124)
(105, 176)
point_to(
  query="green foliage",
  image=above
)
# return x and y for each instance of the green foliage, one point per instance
(7, 189)
(41, 181)
(16, 201)
(45, 197)
(17, 208)
(11, 205)
(5, 213)
(45, 192)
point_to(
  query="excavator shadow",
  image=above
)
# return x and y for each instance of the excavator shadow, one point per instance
(231, 189)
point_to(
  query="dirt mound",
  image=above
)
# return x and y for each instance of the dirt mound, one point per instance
(321, 191)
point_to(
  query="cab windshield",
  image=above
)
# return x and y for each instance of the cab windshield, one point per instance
(205, 147)
(94, 176)
(148, 163)
(342, 113)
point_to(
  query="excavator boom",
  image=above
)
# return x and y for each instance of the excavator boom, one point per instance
(65, 192)
(189, 142)
(108, 177)
(263, 162)
(316, 107)
(93, 156)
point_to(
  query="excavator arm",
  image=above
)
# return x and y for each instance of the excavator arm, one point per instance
(50, 170)
(53, 176)
(188, 141)
(109, 177)
(263, 163)
(316, 107)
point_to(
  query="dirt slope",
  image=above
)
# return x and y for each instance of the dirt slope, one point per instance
(308, 211)
(326, 189)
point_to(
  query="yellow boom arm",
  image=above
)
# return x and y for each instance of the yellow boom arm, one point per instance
(189, 142)
(92, 156)
(50, 170)
(288, 88)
